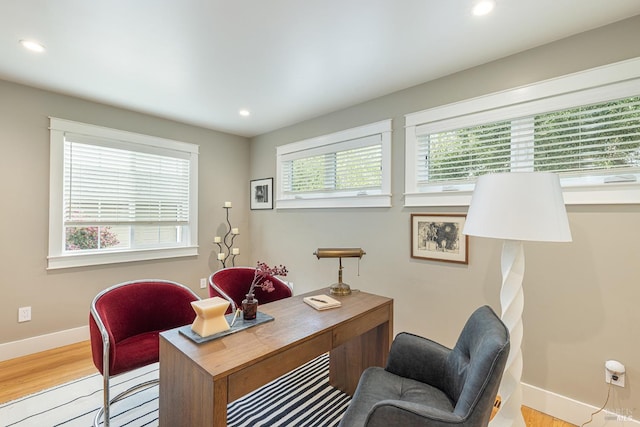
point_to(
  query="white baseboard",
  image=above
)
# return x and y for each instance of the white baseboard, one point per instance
(40, 343)
(575, 412)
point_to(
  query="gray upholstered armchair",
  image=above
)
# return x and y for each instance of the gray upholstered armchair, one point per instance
(427, 384)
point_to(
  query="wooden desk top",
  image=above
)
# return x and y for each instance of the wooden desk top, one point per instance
(295, 322)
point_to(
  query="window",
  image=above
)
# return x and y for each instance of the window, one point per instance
(351, 168)
(118, 196)
(585, 127)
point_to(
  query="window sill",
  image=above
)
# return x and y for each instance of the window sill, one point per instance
(83, 260)
(451, 198)
(368, 201)
(603, 194)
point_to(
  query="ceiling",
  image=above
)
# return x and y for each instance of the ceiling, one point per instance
(201, 61)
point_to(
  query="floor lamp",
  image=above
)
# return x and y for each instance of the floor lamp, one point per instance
(516, 207)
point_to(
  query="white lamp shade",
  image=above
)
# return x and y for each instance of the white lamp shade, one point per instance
(525, 206)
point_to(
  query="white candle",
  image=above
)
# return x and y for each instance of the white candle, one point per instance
(235, 231)
(217, 239)
(221, 256)
(235, 251)
(227, 204)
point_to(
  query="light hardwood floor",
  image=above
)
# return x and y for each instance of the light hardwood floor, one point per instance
(29, 374)
(26, 375)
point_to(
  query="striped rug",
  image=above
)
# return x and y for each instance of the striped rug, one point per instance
(302, 397)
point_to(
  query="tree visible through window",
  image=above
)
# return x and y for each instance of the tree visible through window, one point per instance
(596, 137)
(465, 153)
(356, 169)
(79, 238)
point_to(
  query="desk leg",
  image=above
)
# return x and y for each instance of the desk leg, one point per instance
(348, 361)
(188, 396)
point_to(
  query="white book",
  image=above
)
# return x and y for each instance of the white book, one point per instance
(322, 302)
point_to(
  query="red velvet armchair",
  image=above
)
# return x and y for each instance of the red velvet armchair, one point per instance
(232, 284)
(124, 324)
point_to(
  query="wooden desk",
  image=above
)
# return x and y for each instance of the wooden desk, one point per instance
(197, 381)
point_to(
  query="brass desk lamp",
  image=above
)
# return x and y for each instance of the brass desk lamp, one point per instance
(339, 288)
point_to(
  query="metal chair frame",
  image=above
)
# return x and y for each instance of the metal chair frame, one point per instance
(224, 295)
(106, 346)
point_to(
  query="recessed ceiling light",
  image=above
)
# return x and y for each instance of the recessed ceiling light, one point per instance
(483, 7)
(244, 112)
(32, 46)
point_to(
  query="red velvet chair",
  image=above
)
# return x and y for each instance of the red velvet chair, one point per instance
(124, 325)
(232, 284)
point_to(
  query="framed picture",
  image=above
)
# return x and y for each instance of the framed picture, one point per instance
(439, 237)
(262, 193)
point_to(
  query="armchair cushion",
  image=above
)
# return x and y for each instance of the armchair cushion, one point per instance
(386, 399)
(134, 352)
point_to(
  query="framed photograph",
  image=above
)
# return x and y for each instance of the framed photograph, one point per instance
(262, 193)
(439, 237)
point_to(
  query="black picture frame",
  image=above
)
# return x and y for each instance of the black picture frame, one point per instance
(261, 193)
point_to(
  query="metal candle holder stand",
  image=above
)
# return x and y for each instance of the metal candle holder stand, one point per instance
(226, 244)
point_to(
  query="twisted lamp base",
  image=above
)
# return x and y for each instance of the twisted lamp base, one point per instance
(512, 303)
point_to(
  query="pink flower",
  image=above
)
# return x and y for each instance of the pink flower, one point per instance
(262, 272)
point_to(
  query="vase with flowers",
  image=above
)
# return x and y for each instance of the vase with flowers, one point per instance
(260, 280)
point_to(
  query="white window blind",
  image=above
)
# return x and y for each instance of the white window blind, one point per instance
(356, 165)
(603, 137)
(461, 154)
(587, 132)
(117, 196)
(344, 169)
(105, 185)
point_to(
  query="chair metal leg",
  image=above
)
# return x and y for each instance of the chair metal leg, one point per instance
(106, 390)
(107, 404)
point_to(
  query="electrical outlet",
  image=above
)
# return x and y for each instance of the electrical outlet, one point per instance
(203, 283)
(24, 314)
(614, 373)
(610, 379)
